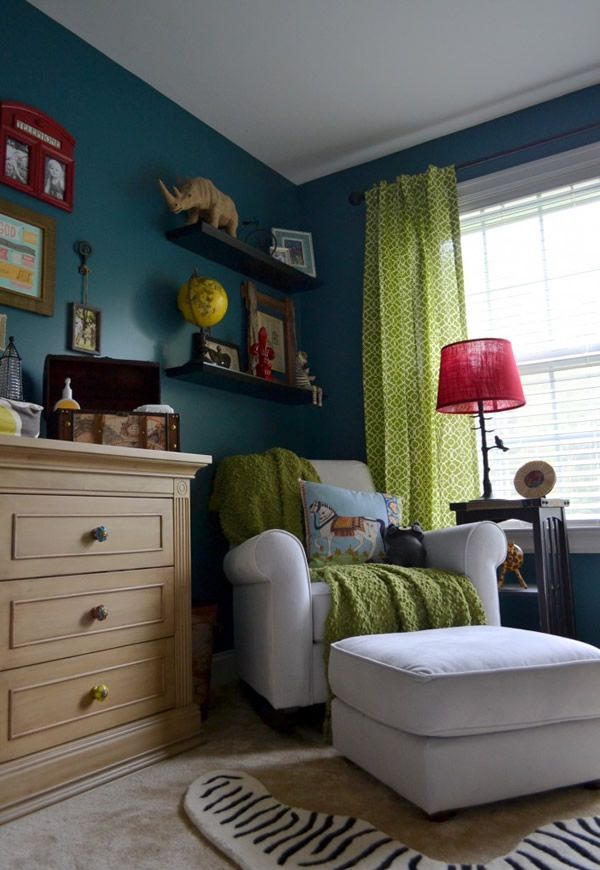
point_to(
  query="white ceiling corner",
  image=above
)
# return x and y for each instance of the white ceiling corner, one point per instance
(316, 86)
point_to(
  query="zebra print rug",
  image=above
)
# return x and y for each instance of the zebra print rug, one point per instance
(242, 819)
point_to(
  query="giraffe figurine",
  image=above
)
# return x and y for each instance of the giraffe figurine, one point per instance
(513, 561)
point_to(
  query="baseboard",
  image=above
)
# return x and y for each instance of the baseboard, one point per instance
(42, 778)
(223, 669)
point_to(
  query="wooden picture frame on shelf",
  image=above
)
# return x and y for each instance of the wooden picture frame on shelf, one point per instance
(299, 247)
(278, 317)
(216, 352)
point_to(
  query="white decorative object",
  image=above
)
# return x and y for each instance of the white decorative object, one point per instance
(67, 402)
(304, 379)
(535, 479)
(154, 409)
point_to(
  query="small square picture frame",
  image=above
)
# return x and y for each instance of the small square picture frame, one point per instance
(216, 352)
(300, 247)
(85, 329)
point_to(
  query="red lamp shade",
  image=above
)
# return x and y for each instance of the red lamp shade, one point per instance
(479, 375)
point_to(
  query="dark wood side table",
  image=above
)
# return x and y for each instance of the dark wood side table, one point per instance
(551, 550)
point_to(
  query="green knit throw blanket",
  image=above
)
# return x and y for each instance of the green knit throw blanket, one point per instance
(260, 491)
(375, 599)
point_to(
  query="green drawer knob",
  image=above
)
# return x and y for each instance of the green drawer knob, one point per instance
(100, 533)
(99, 693)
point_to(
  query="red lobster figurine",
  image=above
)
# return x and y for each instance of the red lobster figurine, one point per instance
(265, 354)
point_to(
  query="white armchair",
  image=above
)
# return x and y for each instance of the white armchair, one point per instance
(279, 615)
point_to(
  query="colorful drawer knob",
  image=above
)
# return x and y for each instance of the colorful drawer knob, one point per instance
(100, 693)
(100, 613)
(100, 533)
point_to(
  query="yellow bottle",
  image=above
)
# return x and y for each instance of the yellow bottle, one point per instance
(67, 403)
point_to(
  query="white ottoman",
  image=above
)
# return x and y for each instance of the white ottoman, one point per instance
(453, 717)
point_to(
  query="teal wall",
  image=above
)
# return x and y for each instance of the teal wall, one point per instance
(127, 136)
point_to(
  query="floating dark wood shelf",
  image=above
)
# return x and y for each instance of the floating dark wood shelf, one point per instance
(207, 375)
(216, 245)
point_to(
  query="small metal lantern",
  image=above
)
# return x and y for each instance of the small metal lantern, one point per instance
(11, 374)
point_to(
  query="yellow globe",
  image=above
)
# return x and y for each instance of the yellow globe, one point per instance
(202, 301)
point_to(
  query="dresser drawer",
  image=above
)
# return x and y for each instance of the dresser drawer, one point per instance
(52, 535)
(55, 617)
(52, 703)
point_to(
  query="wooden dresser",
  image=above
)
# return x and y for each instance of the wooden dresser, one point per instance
(95, 626)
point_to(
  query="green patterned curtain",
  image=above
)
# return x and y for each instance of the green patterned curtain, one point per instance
(413, 306)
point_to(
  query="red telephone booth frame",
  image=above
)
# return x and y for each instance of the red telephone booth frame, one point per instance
(31, 144)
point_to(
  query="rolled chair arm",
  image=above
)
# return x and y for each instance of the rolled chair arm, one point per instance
(273, 616)
(474, 549)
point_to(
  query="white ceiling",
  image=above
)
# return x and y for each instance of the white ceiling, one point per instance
(313, 86)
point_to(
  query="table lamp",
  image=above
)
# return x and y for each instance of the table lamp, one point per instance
(477, 376)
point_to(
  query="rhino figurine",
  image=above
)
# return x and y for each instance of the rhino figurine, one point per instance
(203, 201)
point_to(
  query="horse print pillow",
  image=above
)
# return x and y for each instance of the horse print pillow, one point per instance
(345, 526)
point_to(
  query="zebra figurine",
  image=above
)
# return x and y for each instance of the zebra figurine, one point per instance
(304, 379)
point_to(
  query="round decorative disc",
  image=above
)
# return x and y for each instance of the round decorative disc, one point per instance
(535, 479)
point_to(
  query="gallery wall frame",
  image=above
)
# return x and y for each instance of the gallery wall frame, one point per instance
(27, 259)
(85, 328)
(36, 155)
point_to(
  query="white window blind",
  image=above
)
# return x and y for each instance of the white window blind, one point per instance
(532, 275)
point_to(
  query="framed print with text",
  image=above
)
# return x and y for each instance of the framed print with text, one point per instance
(27, 241)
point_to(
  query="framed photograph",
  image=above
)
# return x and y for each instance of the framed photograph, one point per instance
(277, 316)
(16, 160)
(300, 249)
(36, 155)
(27, 242)
(85, 329)
(55, 178)
(283, 255)
(216, 352)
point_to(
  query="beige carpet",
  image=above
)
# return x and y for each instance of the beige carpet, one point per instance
(137, 822)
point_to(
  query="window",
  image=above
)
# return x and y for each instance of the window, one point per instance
(531, 253)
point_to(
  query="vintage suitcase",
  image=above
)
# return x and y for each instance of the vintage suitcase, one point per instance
(108, 390)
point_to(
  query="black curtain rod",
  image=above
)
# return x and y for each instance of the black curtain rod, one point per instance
(358, 196)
